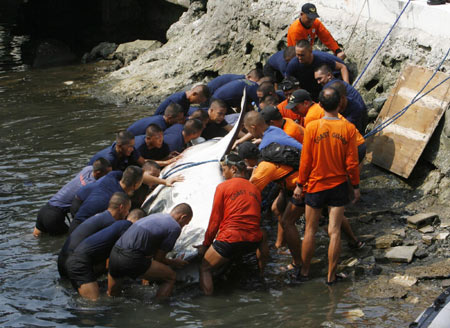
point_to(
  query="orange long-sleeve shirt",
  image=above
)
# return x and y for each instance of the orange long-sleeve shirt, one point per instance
(298, 32)
(236, 213)
(329, 155)
(293, 129)
(316, 112)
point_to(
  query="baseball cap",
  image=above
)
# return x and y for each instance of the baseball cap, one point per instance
(289, 83)
(310, 10)
(270, 113)
(298, 96)
(248, 150)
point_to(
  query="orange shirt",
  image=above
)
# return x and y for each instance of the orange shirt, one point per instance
(267, 172)
(298, 32)
(288, 113)
(293, 129)
(236, 213)
(317, 112)
(329, 155)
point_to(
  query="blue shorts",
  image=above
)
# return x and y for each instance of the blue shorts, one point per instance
(336, 197)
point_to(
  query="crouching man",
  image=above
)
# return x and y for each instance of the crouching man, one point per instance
(234, 226)
(141, 251)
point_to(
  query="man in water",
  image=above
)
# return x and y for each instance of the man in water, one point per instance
(141, 251)
(52, 216)
(88, 259)
(234, 226)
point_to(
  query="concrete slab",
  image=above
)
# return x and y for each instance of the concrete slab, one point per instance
(421, 219)
(401, 253)
(427, 229)
(387, 241)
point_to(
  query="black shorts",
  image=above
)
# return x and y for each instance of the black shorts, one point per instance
(233, 250)
(80, 270)
(127, 263)
(52, 220)
(362, 152)
(337, 196)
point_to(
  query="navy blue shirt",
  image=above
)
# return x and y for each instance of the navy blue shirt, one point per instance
(178, 98)
(173, 137)
(231, 93)
(277, 62)
(117, 163)
(84, 192)
(98, 199)
(156, 154)
(213, 130)
(274, 134)
(98, 245)
(153, 232)
(139, 127)
(86, 229)
(64, 197)
(217, 82)
(305, 73)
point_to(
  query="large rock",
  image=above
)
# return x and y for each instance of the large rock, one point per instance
(401, 253)
(421, 219)
(382, 288)
(436, 270)
(387, 241)
(126, 52)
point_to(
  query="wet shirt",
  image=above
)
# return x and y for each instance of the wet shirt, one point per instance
(139, 127)
(236, 213)
(217, 82)
(156, 154)
(173, 137)
(274, 134)
(231, 93)
(64, 197)
(329, 155)
(305, 73)
(153, 232)
(297, 31)
(178, 98)
(84, 192)
(289, 113)
(86, 229)
(266, 172)
(316, 112)
(293, 129)
(213, 130)
(98, 245)
(117, 163)
(98, 199)
(277, 62)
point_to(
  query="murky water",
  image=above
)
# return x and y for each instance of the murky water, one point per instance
(48, 130)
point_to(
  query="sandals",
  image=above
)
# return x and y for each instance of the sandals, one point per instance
(359, 244)
(337, 277)
(290, 267)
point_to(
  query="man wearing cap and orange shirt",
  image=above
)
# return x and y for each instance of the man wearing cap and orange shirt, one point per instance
(328, 159)
(308, 27)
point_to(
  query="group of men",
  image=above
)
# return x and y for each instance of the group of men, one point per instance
(301, 102)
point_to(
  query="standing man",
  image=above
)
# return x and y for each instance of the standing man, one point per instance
(309, 27)
(142, 249)
(303, 66)
(234, 226)
(329, 157)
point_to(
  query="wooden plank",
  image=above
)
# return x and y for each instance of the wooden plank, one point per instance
(398, 147)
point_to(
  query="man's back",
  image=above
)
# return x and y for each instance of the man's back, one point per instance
(178, 98)
(139, 127)
(232, 92)
(173, 137)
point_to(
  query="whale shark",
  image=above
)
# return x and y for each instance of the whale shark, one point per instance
(200, 166)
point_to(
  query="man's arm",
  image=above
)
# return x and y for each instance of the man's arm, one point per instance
(344, 71)
(151, 180)
(306, 158)
(216, 217)
(352, 163)
(176, 263)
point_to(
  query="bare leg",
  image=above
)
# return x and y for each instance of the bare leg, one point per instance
(347, 230)
(161, 272)
(262, 253)
(312, 223)
(334, 249)
(89, 291)
(37, 232)
(211, 261)
(114, 286)
(290, 215)
(278, 206)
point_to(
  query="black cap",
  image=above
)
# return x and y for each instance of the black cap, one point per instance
(310, 10)
(248, 150)
(298, 96)
(270, 113)
(289, 83)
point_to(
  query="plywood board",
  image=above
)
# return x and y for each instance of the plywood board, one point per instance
(398, 147)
